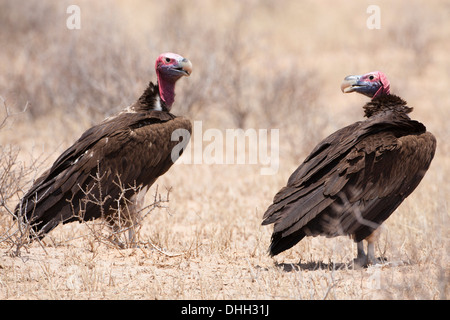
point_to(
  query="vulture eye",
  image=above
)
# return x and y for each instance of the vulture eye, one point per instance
(371, 77)
(167, 60)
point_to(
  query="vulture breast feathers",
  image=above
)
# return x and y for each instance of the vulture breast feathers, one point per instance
(354, 179)
(108, 165)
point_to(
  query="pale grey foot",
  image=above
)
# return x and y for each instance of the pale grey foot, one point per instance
(364, 260)
(371, 260)
(361, 258)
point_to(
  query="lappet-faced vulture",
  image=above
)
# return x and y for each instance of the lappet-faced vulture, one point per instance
(108, 170)
(354, 179)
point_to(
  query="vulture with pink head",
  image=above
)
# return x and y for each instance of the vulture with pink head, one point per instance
(108, 170)
(354, 179)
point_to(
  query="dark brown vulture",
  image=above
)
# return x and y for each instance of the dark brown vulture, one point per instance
(108, 170)
(354, 179)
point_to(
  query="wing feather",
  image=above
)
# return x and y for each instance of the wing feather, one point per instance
(127, 152)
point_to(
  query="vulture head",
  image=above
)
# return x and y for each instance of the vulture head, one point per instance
(372, 84)
(169, 68)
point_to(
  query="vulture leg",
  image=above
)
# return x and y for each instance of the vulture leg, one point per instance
(361, 258)
(135, 217)
(132, 222)
(129, 221)
(371, 260)
(129, 218)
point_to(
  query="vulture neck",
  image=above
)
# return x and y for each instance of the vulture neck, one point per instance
(150, 100)
(386, 102)
(166, 85)
(167, 93)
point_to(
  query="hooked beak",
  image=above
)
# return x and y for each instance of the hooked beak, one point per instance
(358, 84)
(184, 67)
(350, 84)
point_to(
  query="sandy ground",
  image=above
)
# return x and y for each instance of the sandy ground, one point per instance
(196, 250)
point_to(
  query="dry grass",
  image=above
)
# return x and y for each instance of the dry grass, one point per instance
(278, 67)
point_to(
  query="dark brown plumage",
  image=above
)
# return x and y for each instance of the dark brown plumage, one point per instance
(111, 166)
(355, 178)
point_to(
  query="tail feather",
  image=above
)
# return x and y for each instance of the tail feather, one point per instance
(281, 243)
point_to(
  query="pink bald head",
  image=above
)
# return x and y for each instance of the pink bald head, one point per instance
(169, 68)
(372, 84)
